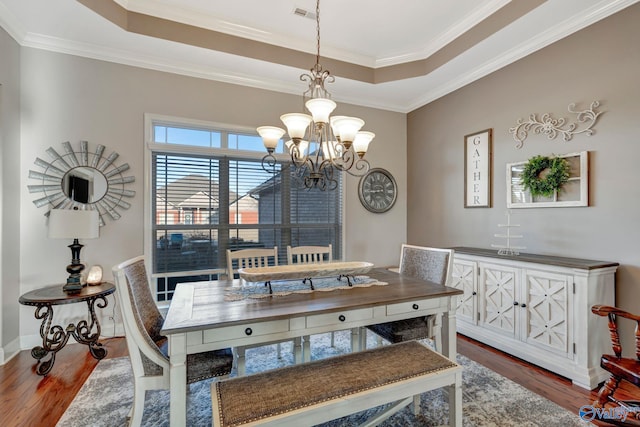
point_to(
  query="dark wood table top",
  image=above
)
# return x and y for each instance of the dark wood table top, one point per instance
(54, 295)
(199, 305)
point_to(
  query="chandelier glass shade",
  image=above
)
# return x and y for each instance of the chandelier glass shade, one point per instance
(319, 143)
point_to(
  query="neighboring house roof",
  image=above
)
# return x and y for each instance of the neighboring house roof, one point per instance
(200, 200)
(196, 191)
(186, 187)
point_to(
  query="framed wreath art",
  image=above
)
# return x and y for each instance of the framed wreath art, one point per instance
(543, 176)
(549, 181)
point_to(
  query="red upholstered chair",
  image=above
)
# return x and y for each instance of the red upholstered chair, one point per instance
(621, 368)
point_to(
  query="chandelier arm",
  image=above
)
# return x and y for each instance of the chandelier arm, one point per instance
(298, 158)
(333, 182)
(269, 163)
(361, 167)
(346, 160)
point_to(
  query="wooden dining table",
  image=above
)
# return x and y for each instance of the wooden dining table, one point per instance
(201, 318)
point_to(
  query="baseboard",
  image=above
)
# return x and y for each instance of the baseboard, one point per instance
(9, 351)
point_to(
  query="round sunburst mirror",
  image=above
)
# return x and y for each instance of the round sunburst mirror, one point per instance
(82, 179)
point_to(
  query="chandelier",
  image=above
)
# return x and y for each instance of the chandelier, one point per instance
(319, 143)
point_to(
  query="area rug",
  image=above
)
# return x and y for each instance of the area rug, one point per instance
(489, 399)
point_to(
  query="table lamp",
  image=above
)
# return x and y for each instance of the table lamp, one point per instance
(74, 224)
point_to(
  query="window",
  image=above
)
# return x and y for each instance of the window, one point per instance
(210, 193)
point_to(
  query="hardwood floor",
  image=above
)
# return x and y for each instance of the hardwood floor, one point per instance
(28, 399)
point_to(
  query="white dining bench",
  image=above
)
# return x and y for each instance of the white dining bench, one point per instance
(319, 391)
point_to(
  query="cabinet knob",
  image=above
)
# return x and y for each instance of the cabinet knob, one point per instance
(474, 293)
(342, 318)
(516, 303)
(248, 331)
(523, 305)
(415, 306)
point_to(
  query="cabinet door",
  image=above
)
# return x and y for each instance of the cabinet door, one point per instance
(464, 277)
(548, 311)
(497, 291)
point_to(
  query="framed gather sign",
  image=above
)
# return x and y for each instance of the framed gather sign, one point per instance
(477, 169)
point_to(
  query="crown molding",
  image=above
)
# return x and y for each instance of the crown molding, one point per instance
(124, 57)
(590, 16)
(198, 19)
(445, 38)
(11, 24)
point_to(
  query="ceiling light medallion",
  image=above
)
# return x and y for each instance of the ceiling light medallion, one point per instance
(319, 143)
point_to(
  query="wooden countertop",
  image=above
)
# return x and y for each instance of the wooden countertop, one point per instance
(578, 263)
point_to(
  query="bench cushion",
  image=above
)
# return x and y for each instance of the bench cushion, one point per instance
(242, 400)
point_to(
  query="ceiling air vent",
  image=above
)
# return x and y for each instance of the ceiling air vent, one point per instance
(304, 13)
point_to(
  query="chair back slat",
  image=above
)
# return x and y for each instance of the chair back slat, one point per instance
(309, 254)
(250, 258)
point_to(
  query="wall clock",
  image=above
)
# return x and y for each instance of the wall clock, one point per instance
(377, 190)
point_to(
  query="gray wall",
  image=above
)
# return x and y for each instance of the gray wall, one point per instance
(9, 192)
(601, 62)
(67, 98)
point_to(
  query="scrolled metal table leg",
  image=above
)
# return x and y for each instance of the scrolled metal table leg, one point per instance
(82, 331)
(54, 339)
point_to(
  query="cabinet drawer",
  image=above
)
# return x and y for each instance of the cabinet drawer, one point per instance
(339, 317)
(411, 306)
(242, 331)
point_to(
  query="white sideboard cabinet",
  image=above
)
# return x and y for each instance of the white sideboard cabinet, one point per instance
(537, 308)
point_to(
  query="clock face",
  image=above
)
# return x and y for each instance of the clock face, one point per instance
(377, 190)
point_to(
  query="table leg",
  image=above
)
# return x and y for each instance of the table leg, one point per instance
(449, 347)
(54, 337)
(306, 348)
(298, 351)
(82, 331)
(178, 380)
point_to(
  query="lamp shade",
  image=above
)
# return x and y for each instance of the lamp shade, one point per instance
(361, 143)
(347, 127)
(73, 224)
(270, 136)
(320, 109)
(296, 124)
(334, 128)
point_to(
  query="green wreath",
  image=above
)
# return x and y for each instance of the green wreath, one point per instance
(547, 185)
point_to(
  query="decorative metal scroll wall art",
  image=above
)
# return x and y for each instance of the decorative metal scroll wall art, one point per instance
(82, 180)
(552, 127)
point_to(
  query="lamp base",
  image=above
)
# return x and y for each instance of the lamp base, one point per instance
(74, 281)
(73, 286)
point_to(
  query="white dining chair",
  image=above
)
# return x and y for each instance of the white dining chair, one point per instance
(250, 258)
(431, 264)
(310, 255)
(148, 349)
(255, 258)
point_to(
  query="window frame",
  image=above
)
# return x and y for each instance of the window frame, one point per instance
(151, 120)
